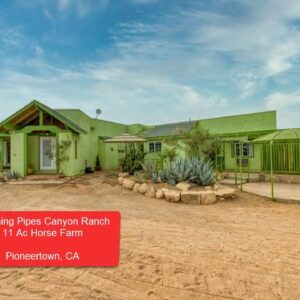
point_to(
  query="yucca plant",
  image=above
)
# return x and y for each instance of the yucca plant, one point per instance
(132, 162)
(150, 168)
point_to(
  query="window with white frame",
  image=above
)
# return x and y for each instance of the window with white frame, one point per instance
(244, 149)
(154, 146)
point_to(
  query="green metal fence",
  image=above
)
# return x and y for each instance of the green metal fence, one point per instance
(285, 155)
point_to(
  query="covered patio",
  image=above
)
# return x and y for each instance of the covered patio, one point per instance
(279, 176)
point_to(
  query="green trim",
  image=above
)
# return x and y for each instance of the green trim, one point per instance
(41, 118)
(30, 129)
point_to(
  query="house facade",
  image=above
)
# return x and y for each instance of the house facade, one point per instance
(48, 140)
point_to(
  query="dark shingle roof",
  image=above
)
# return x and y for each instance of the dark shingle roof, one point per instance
(168, 129)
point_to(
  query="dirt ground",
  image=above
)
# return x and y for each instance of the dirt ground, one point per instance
(248, 248)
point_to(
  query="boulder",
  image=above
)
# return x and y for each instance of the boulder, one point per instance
(208, 197)
(172, 195)
(159, 194)
(150, 192)
(191, 197)
(183, 186)
(143, 188)
(128, 183)
(216, 186)
(125, 175)
(225, 193)
(120, 180)
(136, 187)
(207, 188)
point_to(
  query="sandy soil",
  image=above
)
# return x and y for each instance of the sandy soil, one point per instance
(248, 248)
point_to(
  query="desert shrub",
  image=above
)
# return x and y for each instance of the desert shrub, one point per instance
(195, 170)
(140, 176)
(150, 169)
(133, 161)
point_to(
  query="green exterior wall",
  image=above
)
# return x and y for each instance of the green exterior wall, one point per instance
(90, 145)
(254, 163)
(33, 152)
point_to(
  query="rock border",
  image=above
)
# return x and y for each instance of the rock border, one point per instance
(210, 194)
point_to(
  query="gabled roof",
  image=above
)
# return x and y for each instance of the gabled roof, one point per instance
(36, 104)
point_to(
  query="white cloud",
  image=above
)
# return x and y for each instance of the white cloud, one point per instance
(82, 7)
(188, 64)
(283, 100)
(288, 107)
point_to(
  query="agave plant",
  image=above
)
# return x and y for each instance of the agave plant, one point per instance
(196, 170)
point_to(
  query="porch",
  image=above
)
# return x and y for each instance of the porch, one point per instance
(35, 140)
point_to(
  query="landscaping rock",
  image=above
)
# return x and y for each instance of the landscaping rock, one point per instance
(136, 187)
(143, 188)
(150, 192)
(225, 193)
(120, 180)
(191, 197)
(128, 183)
(184, 186)
(160, 194)
(208, 197)
(216, 186)
(172, 196)
(207, 188)
(125, 175)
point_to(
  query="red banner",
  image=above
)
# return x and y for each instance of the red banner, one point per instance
(60, 238)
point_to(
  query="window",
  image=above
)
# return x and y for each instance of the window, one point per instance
(247, 150)
(75, 149)
(154, 146)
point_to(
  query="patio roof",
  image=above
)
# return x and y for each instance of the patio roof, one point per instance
(125, 138)
(281, 135)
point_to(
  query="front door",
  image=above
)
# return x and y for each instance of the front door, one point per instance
(47, 153)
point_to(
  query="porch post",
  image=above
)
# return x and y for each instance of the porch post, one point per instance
(241, 174)
(41, 118)
(271, 170)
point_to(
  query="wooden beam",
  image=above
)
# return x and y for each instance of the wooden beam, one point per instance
(31, 119)
(23, 117)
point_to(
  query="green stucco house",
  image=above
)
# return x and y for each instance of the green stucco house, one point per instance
(67, 140)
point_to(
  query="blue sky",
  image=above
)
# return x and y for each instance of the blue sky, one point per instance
(152, 61)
